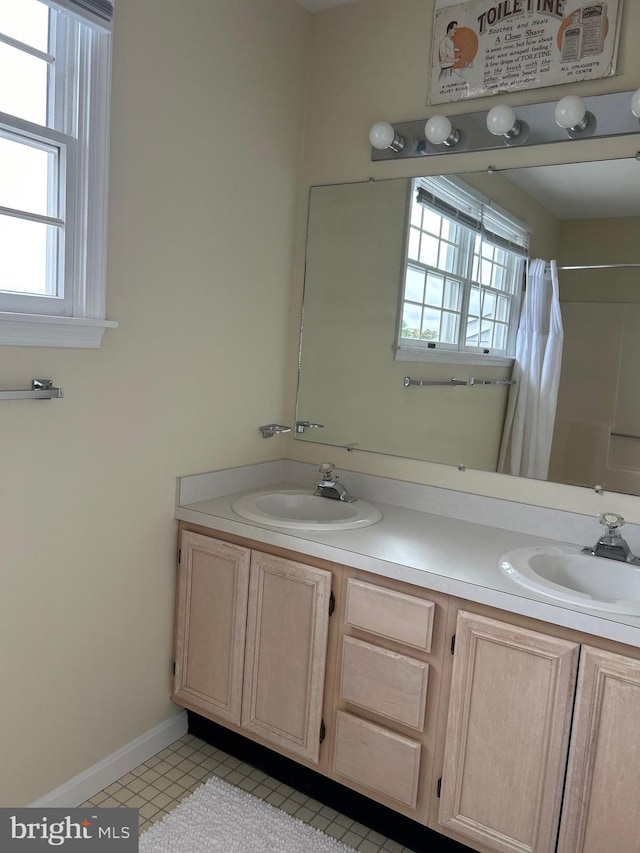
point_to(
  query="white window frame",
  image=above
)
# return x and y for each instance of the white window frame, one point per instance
(82, 140)
(472, 206)
(33, 135)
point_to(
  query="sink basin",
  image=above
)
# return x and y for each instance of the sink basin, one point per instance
(300, 509)
(565, 574)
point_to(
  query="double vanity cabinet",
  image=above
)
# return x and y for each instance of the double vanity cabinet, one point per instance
(501, 732)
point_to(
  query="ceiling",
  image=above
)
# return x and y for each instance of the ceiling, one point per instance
(584, 190)
(321, 5)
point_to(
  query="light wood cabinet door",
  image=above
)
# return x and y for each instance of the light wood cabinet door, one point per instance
(507, 735)
(211, 614)
(286, 653)
(600, 811)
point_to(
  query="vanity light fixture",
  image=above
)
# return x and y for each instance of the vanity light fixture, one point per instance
(439, 131)
(382, 136)
(571, 113)
(502, 121)
(572, 117)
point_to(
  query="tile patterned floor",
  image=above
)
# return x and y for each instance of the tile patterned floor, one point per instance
(162, 782)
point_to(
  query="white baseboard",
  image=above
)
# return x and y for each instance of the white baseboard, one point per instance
(86, 784)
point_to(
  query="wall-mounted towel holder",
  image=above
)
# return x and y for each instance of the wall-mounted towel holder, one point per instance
(41, 389)
(423, 383)
(269, 430)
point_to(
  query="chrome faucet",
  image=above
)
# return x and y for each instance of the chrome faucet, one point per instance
(328, 486)
(611, 544)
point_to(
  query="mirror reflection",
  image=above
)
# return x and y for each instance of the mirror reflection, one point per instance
(413, 283)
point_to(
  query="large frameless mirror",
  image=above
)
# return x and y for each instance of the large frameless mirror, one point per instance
(414, 283)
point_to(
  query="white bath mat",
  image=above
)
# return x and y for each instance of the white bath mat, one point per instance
(220, 818)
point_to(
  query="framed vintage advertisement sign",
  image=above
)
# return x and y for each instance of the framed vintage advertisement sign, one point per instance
(483, 47)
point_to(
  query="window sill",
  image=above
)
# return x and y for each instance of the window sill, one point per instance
(43, 330)
(425, 356)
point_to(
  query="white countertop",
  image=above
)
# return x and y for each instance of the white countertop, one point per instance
(436, 552)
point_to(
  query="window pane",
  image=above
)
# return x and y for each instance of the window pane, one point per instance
(485, 334)
(25, 20)
(429, 250)
(449, 231)
(452, 295)
(413, 249)
(487, 250)
(448, 255)
(471, 338)
(500, 336)
(499, 278)
(449, 329)
(486, 273)
(411, 321)
(474, 301)
(435, 285)
(431, 221)
(489, 305)
(474, 269)
(24, 249)
(414, 285)
(430, 325)
(28, 100)
(502, 309)
(24, 177)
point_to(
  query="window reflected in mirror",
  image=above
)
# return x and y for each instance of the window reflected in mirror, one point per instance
(464, 272)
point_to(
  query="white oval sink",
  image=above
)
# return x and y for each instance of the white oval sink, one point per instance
(300, 509)
(564, 573)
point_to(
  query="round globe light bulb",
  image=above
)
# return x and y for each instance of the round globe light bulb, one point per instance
(570, 112)
(501, 120)
(635, 103)
(438, 129)
(381, 135)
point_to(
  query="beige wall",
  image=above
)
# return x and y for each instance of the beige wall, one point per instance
(369, 61)
(208, 100)
(599, 241)
(598, 397)
(598, 386)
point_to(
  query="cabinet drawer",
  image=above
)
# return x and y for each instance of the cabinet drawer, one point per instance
(385, 682)
(390, 614)
(377, 758)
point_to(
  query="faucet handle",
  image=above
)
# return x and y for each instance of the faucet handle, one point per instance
(611, 520)
(327, 470)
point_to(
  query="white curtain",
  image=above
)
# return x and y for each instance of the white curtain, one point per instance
(531, 409)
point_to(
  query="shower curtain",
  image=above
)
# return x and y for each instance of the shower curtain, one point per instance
(531, 408)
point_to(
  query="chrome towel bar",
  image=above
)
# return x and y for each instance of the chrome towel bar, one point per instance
(423, 383)
(473, 381)
(41, 389)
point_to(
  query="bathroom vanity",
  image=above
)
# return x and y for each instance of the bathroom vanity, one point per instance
(444, 693)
